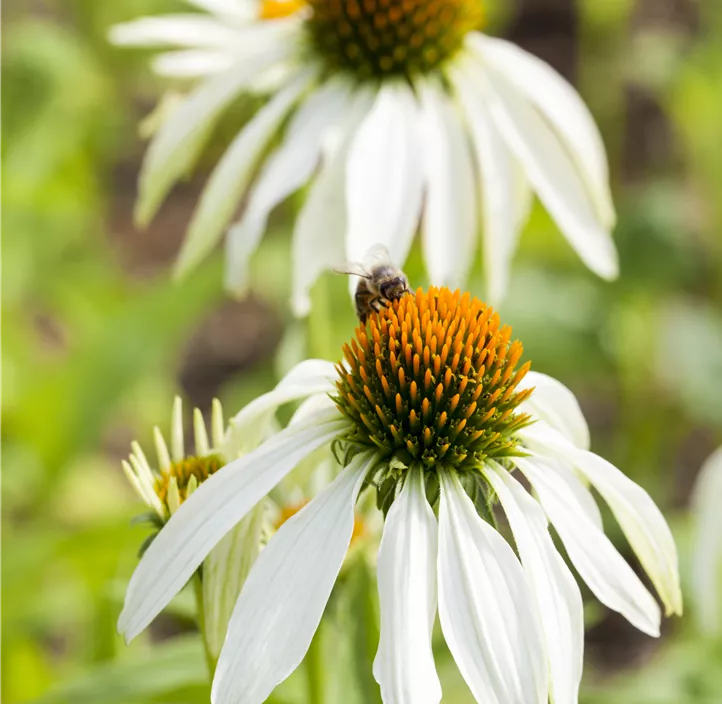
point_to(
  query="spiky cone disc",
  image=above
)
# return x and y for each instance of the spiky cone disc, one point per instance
(380, 38)
(431, 380)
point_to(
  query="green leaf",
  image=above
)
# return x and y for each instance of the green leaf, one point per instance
(145, 674)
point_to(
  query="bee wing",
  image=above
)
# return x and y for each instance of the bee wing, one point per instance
(352, 269)
(377, 255)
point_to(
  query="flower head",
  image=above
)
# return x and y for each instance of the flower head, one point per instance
(433, 412)
(401, 115)
(177, 475)
(384, 39)
(166, 486)
(433, 380)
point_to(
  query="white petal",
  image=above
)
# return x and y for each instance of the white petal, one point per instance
(582, 495)
(196, 31)
(404, 665)
(504, 191)
(552, 173)
(313, 404)
(486, 608)
(556, 405)
(283, 598)
(640, 518)
(384, 176)
(600, 565)
(210, 512)
(707, 553)
(191, 63)
(250, 426)
(224, 572)
(226, 185)
(179, 140)
(450, 220)
(564, 109)
(318, 241)
(553, 586)
(286, 170)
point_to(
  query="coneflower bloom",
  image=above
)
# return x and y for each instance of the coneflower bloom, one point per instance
(399, 115)
(432, 411)
(166, 485)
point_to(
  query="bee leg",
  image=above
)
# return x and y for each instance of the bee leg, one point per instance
(376, 304)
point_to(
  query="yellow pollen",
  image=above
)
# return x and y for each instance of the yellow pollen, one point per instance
(199, 468)
(278, 9)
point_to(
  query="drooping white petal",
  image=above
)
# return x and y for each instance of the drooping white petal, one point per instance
(604, 570)
(562, 107)
(486, 609)
(450, 220)
(284, 596)
(551, 172)
(640, 518)
(384, 176)
(226, 185)
(179, 140)
(191, 63)
(504, 189)
(556, 593)
(224, 572)
(556, 405)
(707, 553)
(404, 665)
(318, 239)
(196, 31)
(286, 170)
(250, 425)
(582, 494)
(212, 510)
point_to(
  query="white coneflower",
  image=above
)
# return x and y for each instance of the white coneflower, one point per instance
(166, 486)
(434, 414)
(397, 113)
(707, 555)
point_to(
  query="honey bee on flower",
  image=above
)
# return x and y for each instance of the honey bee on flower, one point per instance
(435, 415)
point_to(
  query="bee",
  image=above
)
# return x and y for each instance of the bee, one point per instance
(380, 282)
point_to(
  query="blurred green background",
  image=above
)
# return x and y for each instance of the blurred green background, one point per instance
(97, 339)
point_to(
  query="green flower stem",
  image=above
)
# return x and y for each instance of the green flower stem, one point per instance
(211, 660)
(320, 323)
(315, 669)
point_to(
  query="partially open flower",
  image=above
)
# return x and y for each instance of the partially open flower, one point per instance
(401, 114)
(434, 412)
(165, 487)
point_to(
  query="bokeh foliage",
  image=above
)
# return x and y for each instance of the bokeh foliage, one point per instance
(97, 339)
